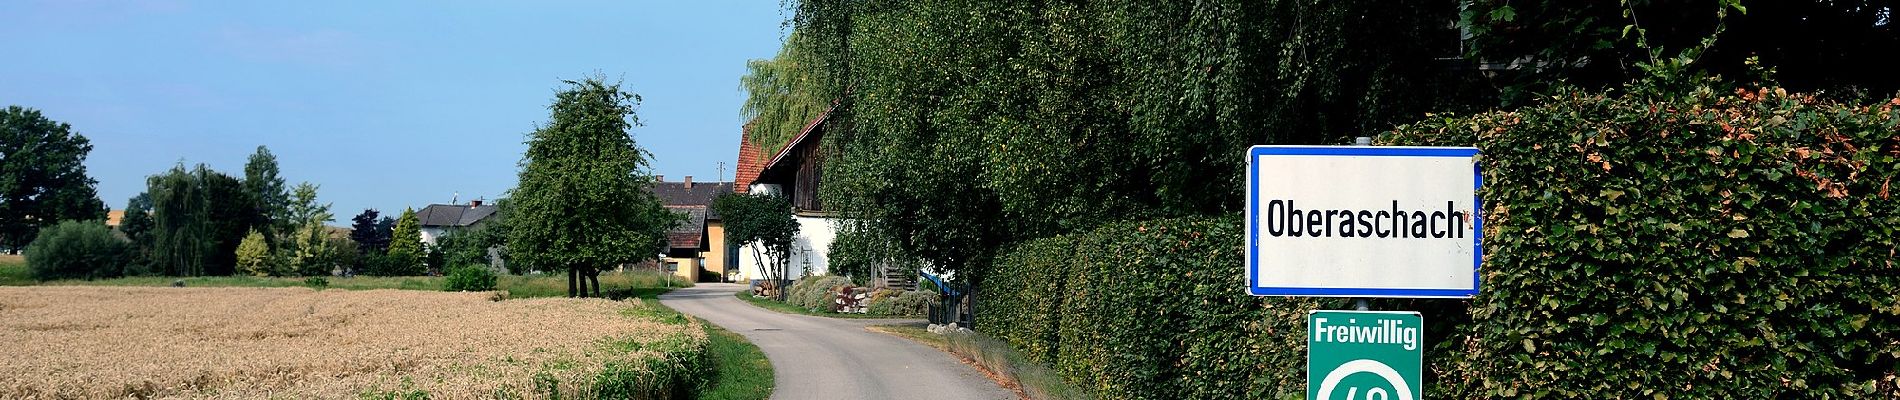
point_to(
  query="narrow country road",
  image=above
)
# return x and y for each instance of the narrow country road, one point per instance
(828, 358)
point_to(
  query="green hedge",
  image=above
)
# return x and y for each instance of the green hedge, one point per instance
(1715, 246)
(1734, 245)
(1148, 310)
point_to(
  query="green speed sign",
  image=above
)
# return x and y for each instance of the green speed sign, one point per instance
(1364, 355)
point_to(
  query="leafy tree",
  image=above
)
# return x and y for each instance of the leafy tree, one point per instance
(270, 201)
(42, 176)
(963, 126)
(182, 232)
(405, 245)
(781, 95)
(231, 218)
(369, 234)
(137, 225)
(76, 249)
(309, 247)
(254, 256)
(764, 223)
(1810, 45)
(583, 201)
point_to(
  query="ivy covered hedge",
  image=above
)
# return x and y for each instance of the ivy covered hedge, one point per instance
(1717, 245)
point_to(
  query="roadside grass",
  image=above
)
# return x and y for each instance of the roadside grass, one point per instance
(743, 371)
(997, 360)
(740, 369)
(614, 284)
(781, 307)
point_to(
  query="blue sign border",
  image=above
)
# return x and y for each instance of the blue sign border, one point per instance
(1253, 210)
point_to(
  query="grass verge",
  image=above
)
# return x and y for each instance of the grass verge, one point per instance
(996, 360)
(743, 373)
(775, 305)
(617, 285)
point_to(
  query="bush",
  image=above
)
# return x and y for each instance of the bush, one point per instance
(470, 278)
(901, 304)
(316, 282)
(1734, 246)
(76, 249)
(814, 293)
(1711, 245)
(393, 264)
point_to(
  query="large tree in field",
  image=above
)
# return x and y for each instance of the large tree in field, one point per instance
(42, 176)
(270, 199)
(181, 237)
(583, 202)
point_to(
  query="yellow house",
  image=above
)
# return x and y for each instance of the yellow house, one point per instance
(696, 248)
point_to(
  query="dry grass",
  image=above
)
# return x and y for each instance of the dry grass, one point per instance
(118, 342)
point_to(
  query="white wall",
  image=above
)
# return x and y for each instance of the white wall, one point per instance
(812, 244)
(429, 235)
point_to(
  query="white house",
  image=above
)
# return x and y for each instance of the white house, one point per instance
(794, 172)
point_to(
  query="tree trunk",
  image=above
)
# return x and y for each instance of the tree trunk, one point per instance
(572, 275)
(594, 273)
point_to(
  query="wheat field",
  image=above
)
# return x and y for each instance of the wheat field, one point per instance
(136, 342)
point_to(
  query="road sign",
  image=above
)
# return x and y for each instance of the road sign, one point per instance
(1364, 355)
(1337, 221)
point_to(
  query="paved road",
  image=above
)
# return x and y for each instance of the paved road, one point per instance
(829, 358)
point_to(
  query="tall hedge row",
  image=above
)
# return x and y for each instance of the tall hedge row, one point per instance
(1738, 244)
(1148, 310)
(1732, 245)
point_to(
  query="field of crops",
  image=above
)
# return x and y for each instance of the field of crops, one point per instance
(118, 342)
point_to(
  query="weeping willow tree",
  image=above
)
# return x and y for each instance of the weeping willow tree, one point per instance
(781, 95)
(966, 125)
(181, 236)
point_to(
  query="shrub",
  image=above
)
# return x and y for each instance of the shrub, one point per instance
(76, 249)
(1732, 246)
(814, 293)
(317, 282)
(901, 304)
(1714, 244)
(393, 264)
(470, 278)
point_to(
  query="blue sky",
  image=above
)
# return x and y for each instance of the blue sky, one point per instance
(385, 104)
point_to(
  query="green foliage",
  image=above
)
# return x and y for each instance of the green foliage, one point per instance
(137, 225)
(781, 96)
(230, 217)
(405, 239)
(904, 304)
(763, 221)
(1150, 310)
(858, 252)
(470, 278)
(1826, 46)
(815, 293)
(1730, 244)
(270, 199)
(43, 177)
(964, 125)
(368, 233)
(76, 249)
(317, 282)
(182, 238)
(583, 201)
(393, 264)
(254, 257)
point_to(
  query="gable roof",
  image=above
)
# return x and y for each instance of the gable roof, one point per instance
(751, 161)
(686, 235)
(802, 134)
(680, 194)
(453, 215)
